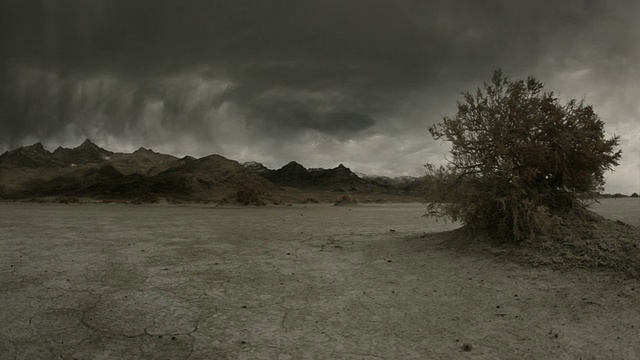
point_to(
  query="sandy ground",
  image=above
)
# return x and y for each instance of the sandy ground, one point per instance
(112, 281)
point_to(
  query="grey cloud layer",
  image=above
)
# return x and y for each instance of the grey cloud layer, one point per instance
(268, 72)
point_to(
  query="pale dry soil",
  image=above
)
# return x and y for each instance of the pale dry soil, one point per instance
(114, 281)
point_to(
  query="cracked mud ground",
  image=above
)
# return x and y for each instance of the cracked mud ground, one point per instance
(107, 281)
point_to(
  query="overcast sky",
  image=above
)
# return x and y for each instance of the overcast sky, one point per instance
(321, 82)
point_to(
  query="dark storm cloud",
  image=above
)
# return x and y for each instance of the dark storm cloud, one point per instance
(209, 70)
(333, 39)
(240, 36)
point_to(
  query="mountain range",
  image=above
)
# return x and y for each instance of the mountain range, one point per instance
(89, 171)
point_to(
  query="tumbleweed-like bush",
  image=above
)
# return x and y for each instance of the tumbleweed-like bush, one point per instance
(520, 160)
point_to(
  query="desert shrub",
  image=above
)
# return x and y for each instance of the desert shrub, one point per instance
(67, 200)
(146, 199)
(345, 199)
(311, 200)
(247, 195)
(519, 158)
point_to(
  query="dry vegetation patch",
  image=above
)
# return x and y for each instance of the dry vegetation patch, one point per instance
(310, 200)
(345, 200)
(587, 241)
(146, 199)
(248, 195)
(522, 167)
(519, 159)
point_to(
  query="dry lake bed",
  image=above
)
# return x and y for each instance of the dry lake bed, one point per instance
(113, 281)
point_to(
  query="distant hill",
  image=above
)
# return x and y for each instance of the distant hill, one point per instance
(37, 156)
(401, 184)
(143, 162)
(28, 156)
(90, 171)
(86, 153)
(338, 179)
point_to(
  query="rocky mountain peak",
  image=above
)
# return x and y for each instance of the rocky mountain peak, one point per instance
(90, 145)
(293, 166)
(143, 151)
(342, 171)
(87, 143)
(37, 146)
(255, 167)
(32, 155)
(35, 149)
(87, 152)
